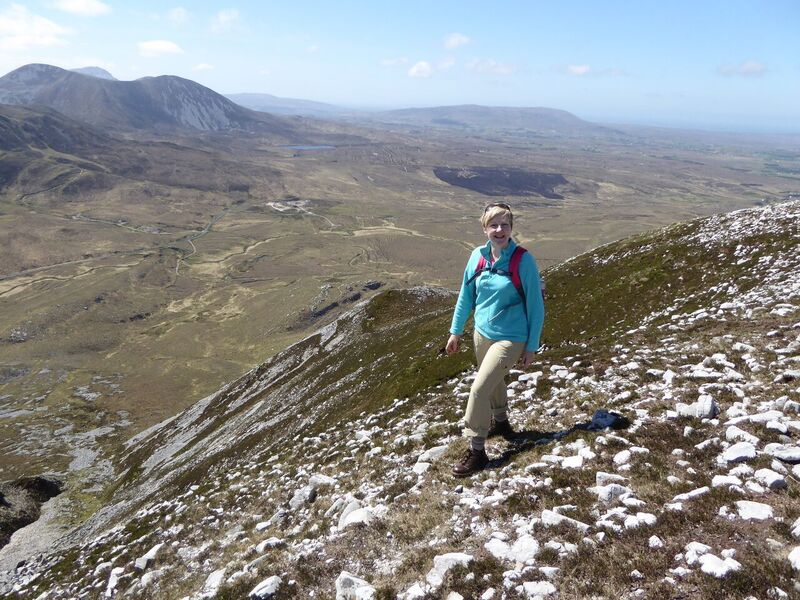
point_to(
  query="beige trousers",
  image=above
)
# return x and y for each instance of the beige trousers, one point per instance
(488, 395)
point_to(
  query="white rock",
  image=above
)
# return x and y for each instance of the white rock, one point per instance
(789, 454)
(362, 515)
(534, 589)
(741, 451)
(421, 468)
(609, 493)
(113, 579)
(498, 548)
(353, 504)
(735, 434)
(796, 528)
(771, 479)
(443, 563)
(151, 577)
(350, 587)
(432, 454)
(266, 589)
(487, 595)
(794, 558)
(602, 478)
(272, 542)
(415, 592)
(319, 481)
(143, 562)
(753, 511)
(693, 551)
(622, 457)
(524, 549)
(713, 565)
(212, 584)
(725, 480)
(655, 542)
(550, 518)
(692, 494)
(572, 462)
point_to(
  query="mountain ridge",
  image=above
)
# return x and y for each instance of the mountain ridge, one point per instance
(148, 103)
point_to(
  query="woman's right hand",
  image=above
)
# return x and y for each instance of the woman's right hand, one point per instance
(453, 343)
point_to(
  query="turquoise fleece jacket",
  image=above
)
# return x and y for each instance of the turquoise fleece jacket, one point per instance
(499, 314)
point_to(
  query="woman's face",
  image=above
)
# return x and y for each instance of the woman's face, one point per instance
(498, 230)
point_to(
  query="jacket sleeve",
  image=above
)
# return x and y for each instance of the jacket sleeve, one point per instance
(534, 303)
(466, 298)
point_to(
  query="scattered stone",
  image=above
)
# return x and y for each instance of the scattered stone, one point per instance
(753, 511)
(538, 589)
(717, 567)
(738, 452)
(771, 479)
(550, 518)
(212, 584)
(350, 587)
(266, 589)
(144, 562)
(443, 563)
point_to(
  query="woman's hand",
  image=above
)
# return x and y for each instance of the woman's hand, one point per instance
(453, 342)
(526, 360)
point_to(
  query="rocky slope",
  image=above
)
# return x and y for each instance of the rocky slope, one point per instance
(656, 456)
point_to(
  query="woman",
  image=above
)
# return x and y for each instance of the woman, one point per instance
(508, 323)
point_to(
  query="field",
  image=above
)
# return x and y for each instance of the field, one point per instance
(139, 277)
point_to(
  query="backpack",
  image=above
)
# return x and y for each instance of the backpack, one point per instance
(513, 270)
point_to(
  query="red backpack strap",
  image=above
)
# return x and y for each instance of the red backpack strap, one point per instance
(513, 266)
(481, 264)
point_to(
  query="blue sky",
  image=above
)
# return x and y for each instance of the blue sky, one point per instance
(708, 64)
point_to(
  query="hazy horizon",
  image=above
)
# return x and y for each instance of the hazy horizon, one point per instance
(729, 66)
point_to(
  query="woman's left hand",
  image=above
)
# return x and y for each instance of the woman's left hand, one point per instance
(526, 360)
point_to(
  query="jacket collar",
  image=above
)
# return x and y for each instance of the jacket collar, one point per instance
(504, 256)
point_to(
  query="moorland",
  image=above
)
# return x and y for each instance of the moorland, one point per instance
(141, 270)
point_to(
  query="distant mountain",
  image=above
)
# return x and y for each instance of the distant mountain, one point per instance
(543, 120)
(165, 102)
(95, 72)
(289, 106)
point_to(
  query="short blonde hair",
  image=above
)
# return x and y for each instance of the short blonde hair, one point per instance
(496, 209)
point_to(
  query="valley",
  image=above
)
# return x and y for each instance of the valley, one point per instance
(141, 271)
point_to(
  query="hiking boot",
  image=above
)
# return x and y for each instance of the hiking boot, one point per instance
(472, 462)
(501, 428)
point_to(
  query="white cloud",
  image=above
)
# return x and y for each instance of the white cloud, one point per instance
(156, 48)
(421, 69)
(203, 67)
(224, 20)
(22, 30)
(749, 68)
(454, 40)
(178, 15)
(394, 62)
(491, 66)
(313, 49)
(578, 70)
(85, 8)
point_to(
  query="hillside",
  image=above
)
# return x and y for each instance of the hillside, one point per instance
(540, 120)
(328, 468)
(150, 103)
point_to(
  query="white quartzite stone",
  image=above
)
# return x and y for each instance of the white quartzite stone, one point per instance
(771, 479)
(753, 511)
(266, 589)
(738, 452)
(443, 563)
(350, 587)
